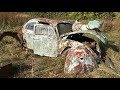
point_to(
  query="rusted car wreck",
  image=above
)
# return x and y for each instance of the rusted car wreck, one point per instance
(54, 37)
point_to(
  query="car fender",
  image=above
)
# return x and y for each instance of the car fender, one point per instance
(80, 60)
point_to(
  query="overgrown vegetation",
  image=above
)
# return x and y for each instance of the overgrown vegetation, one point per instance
(32, 66)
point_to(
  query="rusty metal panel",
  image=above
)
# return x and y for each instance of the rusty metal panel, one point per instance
(99, 35)
(94, 24)
(29, 40)
(80, 61)
(98, 48)
(68, 43)
(45, 46)
(45, 41)
(76, 25)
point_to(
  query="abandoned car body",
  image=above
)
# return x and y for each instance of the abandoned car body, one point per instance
(83, 53)
(52, 38)
(42, 35)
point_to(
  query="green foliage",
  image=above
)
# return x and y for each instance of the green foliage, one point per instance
(117, 14)
(89, 15)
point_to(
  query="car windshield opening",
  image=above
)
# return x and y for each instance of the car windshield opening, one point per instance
(64, 28)
(80, 38)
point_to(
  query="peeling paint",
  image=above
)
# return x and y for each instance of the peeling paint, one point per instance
(50, 38)
(80, 63)
(29, 40)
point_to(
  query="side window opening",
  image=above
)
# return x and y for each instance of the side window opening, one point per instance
(30, 26)
(64, 28)
(43, 23)
(80, 38)
(44, 30)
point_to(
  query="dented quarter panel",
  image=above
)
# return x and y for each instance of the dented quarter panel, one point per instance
(80, 61)
(80, 58)
(64, 43)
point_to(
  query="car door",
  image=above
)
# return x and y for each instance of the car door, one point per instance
(28, 33)
(45, 41)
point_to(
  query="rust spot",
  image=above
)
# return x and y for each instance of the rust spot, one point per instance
(78, 53)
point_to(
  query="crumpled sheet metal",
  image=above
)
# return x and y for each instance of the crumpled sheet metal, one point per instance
(77, 25)
(99, 35)
(64, 43)
(80, 61)
(94, 24)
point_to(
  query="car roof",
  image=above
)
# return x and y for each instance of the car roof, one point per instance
(51, 21)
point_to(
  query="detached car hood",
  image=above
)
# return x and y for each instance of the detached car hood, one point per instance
(98, 34)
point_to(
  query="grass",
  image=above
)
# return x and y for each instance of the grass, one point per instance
(29, 65)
